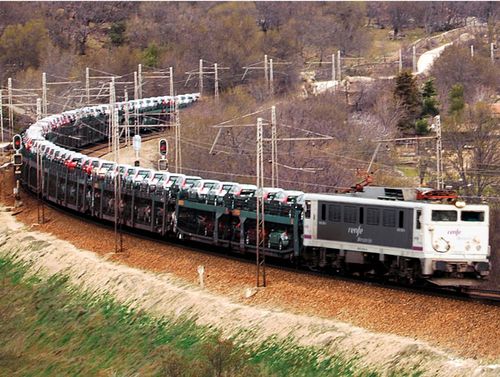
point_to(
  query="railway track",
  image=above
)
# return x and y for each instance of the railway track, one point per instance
(480, 295)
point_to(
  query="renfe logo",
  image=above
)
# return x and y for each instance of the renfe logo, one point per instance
(357, 231)
(456, 232)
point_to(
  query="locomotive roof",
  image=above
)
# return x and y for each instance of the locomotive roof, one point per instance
(370, 200)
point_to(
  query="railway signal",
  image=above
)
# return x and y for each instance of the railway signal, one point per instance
(17, 159)
(163, 147)
(17, 142)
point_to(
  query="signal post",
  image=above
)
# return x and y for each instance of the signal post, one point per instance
(17, 161)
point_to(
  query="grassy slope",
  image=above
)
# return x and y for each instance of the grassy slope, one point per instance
(51, 329)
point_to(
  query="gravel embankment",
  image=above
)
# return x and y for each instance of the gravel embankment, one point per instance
(467, 328)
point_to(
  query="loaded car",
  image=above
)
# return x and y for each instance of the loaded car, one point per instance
(199, 190)
(278, 239)
(217, 193)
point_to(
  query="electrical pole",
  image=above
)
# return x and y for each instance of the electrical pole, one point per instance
(87, 85)
(260, 224)
(472, 51)
(339, 72)
(274, 149)
(115, 140)
(333, 67)
(44, 94)
(439, 154)
(139, 86)
(177, 143)
(266, 75)
(39, 109)
(400, 61)
(136, 86)
(11, 113)
(127, 120)
(1, 114)
(112, 101)
(414, 59)
(200, 78)
(216, 85)
(171, 81)
(271, 76)
(492, 52)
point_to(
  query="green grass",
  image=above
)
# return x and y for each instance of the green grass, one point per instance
(49, 328)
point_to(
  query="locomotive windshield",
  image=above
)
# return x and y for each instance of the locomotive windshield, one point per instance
(472, 216)
(440, 215)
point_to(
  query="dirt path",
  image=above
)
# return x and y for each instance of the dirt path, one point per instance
(164, 294)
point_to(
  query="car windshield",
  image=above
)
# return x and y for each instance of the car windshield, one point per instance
(279, 195)
(247, 192)
(234, 189)
(121, 169)
(209, 185)
(172, 179)
(143, 174)
(130, 171)
(107, 165)
(158, 178)
(191, 181)
(227, 187)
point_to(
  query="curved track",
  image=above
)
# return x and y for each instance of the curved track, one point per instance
(485, 296)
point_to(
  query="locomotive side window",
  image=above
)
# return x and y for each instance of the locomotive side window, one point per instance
(361, 215)
(334, 213)
(472, 216)
(401, 219)
(389, 218)
(323, 212)
(373, 216)
(350, 214)
(419, 214)
(438, 215)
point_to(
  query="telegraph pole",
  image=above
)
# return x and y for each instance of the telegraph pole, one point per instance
(400, 61)
(216, 85)
(87, 85)
(266, 75)
(200, 78)
(271, 76)
(177, 141)
(1, 114)
(39, 109)
(171, 81)
(39, 171)
(44, 94)
(333, 67)
(439, 154)
(136, 86)
(115, 139)
(139, 86)
(339, 72)
(11, 113)
(127, 120)
(274, 149)
(260, 224)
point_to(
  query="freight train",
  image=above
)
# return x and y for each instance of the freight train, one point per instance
(401, 234)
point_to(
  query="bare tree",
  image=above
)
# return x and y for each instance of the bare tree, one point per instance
(473, 149)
